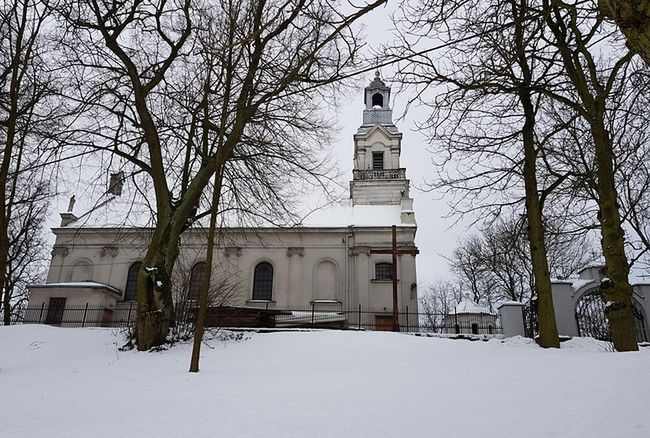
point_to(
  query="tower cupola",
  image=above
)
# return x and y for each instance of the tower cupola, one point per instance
(377, 101)
(377, 177)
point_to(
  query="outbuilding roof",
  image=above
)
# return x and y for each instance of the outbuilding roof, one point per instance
(467, 305)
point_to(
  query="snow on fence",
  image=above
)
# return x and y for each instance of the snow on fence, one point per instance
(327, 316)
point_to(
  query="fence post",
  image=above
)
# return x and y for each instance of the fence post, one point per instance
(83, 322)
(359, 316)
(456, 326)
(40, 317)
(407, 318)
(312, 314)
(128, 317)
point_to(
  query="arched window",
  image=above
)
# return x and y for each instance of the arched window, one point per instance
(197, 276)
(82, 270)
(377, 100)
(383, 271)
(130, 292)
(263, 281)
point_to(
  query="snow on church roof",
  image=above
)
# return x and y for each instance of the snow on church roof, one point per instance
(112, 211)
(467, 305)
(123, 211)
(345, 214)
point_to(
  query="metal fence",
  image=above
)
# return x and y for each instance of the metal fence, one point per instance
(314, 316)
(121, 315)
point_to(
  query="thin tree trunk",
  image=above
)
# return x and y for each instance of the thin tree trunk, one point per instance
(548, 334)
(7, 155)
(205, 287)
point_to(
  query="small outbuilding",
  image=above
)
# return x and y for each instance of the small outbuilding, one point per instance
(470, 318)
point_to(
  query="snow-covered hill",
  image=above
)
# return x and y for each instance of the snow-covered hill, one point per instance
(76, 383)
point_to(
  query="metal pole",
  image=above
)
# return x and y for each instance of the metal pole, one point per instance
(359, 316)
(312, 314)
(394, 273)
(456, 326)
(40, 317)
(83, 323)
(128, 317)
(407, 318)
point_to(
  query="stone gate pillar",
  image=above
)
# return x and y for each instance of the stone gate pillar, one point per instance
(511, 314)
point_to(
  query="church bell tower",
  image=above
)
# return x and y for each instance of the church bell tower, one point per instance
(377, 178)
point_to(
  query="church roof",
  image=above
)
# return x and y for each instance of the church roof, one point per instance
(124, 212)
(345, 214)
(377, 83)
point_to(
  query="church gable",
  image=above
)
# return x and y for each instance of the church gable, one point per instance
(378, 133)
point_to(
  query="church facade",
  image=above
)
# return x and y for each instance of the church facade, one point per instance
(338, 259)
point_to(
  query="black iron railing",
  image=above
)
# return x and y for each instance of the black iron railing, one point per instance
(316, 315)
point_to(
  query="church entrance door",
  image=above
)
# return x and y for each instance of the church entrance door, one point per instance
(384, 323)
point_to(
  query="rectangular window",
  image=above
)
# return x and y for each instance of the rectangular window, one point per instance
(383, 271)
(378, 160)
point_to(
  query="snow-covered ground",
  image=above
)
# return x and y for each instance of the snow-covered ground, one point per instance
(76, 383)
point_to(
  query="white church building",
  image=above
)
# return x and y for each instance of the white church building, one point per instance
(333, 260)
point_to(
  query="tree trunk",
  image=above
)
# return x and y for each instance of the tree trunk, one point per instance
(548, 335)
(205, 287)
(633, 18)
(155, 307)
(617, 291)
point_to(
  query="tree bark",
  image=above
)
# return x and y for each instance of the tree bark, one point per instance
(155, 308)
(616, 288)
(548, 335)
(633, 18)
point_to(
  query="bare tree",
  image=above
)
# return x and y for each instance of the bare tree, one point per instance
(437, 301)
(495, 264)
(489, 111)
(577, 32)
(29, 114)
(27, 258)
(185, 89)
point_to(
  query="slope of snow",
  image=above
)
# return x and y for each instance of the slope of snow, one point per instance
(76, 383)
